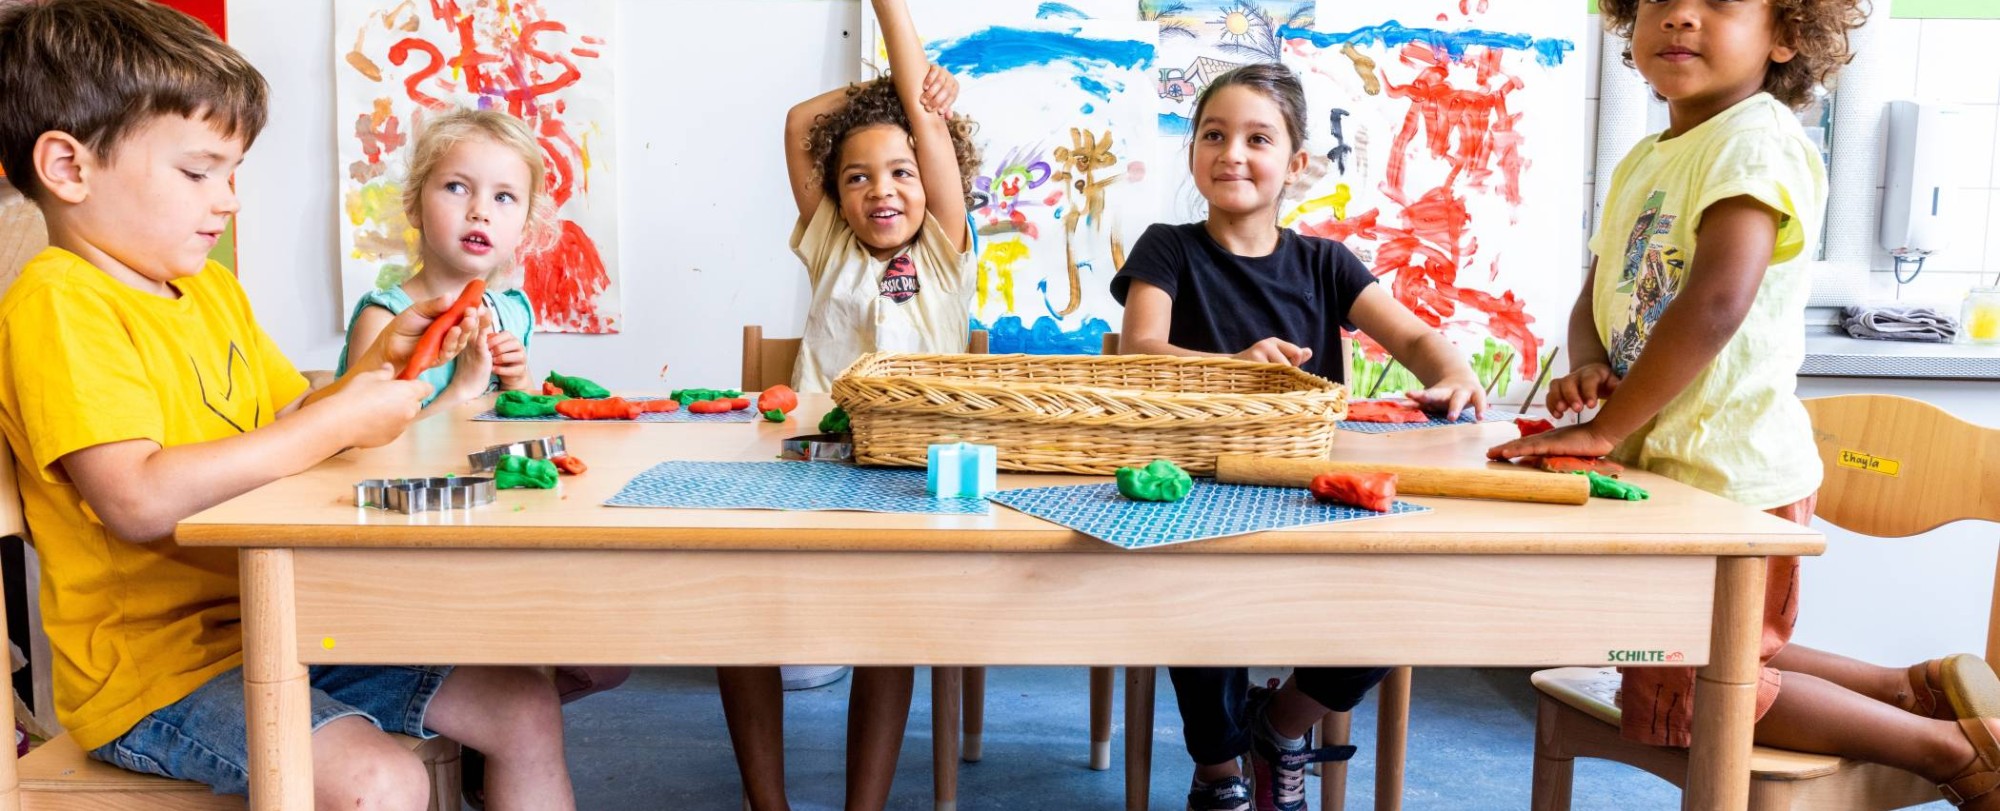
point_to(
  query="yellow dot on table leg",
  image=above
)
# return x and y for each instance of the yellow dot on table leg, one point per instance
(326, 643)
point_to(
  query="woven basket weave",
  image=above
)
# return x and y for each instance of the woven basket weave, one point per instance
(1089, 414)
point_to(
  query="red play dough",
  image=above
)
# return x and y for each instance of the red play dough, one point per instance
(1385, 411)
(1369, 491)
(1530, 426)
(1574, 464)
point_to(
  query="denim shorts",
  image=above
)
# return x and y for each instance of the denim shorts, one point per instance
(204, 737)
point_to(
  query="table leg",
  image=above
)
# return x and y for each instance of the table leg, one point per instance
(1334, 730)
(275, 692)
(947, 684)
(975, 715)
(1392, 739)
(1725, 694)
(1101, 682)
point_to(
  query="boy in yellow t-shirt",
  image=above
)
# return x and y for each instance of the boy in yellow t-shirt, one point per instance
(136, 389)
(1690, 331)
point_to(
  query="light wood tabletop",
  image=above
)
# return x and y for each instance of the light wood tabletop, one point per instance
(546, 577)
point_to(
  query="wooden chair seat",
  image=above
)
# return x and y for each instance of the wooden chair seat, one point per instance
(1580, 712)
(58, 776)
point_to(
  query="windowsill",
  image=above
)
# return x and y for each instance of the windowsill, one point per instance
(1835, 354)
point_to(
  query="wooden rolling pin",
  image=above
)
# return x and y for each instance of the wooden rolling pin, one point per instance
(1412, 480)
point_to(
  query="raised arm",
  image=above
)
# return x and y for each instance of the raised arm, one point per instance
(799, 164)
(944, 191)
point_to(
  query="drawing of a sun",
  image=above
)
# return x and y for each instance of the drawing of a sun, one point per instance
(1239, 23)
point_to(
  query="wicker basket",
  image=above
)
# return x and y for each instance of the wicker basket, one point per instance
(1089, 414)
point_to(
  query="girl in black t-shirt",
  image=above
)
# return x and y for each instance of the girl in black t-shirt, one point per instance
(1238, 284)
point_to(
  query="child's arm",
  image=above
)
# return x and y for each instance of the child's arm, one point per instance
(937, 161)
(1732, 250)
(799, 164)
(1450, 384)
(469, 378)
(1149, 316)
(1590, 378)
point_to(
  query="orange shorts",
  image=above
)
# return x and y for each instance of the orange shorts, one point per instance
(1658, 702)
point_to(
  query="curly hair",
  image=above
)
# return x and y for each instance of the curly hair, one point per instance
(872, 103)
(1815, 29)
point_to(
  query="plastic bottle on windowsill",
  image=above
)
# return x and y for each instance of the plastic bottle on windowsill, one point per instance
(1979, 317)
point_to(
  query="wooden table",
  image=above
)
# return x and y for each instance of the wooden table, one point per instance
(548, 577)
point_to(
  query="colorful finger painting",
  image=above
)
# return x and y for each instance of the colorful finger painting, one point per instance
(1063, 99)
(545, 61)
(1447, 145)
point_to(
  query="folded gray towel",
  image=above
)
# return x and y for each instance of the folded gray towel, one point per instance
(1922, 324)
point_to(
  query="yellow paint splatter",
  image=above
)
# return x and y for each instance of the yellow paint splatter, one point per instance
(1337, 201)
(326, 643)
(998, 259)
(376, 202)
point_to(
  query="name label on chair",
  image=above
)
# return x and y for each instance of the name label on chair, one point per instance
(1870, 463)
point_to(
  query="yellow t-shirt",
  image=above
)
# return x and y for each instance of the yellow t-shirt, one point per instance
(861, 304)
(87, 361)
(1738, 430)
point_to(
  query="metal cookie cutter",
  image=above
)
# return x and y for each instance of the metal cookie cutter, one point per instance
(548, 447)
(419, 495)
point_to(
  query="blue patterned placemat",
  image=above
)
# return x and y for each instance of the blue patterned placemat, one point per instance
(1211, 510)
(677, 415)
(788, 486)
(1464, 418)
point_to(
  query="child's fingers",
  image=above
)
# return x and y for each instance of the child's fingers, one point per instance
(1477, 399)
(1304, 354)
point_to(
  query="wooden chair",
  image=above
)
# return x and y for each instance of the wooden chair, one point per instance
(58, 775)
(1895, 467)
(1392, 727)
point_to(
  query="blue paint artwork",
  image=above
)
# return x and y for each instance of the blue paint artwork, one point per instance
(1047, 336)
(999, 49)
(1175, 124)
(1053, 11)
(1392, 34)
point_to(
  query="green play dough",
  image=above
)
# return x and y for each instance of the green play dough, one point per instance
(523, 404)
(685, 396)
(1160, 481)
(835, 422)
(579, 387)
(521, 472)
(1602, 486)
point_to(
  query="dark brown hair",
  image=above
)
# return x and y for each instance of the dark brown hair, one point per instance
(102, 69)
(869, 104)
(1815, 29)
(1276, 82)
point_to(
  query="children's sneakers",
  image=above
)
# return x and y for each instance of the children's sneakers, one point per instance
(1278, 769)
(1227, 794)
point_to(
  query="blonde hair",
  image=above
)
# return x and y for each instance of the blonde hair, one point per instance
(446, 130)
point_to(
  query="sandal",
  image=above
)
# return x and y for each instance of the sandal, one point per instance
(1926, 696)
(1974, 693)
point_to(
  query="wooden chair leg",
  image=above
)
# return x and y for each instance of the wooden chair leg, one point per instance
(1138, 737)
(1392, 738)
(946, 690)
(1555, 768)
(1100, 717)
(1334, 730)
(975, 714)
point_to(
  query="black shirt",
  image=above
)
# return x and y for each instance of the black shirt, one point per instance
(1223, 303)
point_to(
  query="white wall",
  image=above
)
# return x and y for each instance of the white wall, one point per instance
(704, 207)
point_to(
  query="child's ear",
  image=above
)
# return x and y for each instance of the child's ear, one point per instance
(1782, 53)
(62, 164)
(1297, 166)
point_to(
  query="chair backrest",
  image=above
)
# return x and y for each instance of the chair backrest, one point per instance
(1897, 467)
(769, 361)
(22, 235)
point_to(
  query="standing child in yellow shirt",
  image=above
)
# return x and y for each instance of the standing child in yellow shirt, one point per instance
(1689, 331)
(137, 389)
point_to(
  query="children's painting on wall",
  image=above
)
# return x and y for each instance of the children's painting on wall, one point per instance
(1448, 150)
(1063, 98)
(547, 62)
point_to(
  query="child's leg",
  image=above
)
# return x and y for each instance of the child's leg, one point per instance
(356, 765)
(1212, 703)
(577, 681)
(1312, 692)
(753, 704)
(878, 709)
(1812, 714)
(1885, 684)
(511, 714)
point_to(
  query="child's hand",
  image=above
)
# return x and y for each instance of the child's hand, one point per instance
(376, 407)
(940, 91)
(1581, 389)
(399, 339)
(473, 372)
(1450, 397)
(1583, 440)
(510, 361)
(1276, 350)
